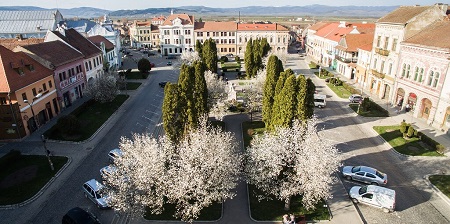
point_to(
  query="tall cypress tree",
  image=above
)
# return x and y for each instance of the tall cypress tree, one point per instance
(186, 81)
(284, 108)
(301, 98)
(265, 47)
(199, 49)
(248, 58)
(173, 121)
(200, 90)
(257, 57)
(273, 72)
(209, 52)
(310, 90)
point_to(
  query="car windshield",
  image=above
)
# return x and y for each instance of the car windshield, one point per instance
(379, 174)
(362, 190)
(356, 169)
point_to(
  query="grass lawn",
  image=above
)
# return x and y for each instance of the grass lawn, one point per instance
(372, 113)
(230, 66)
(211, 213)
(273, 210)
(137, 75)
(412, 146)
(91, 117)
(242, 83)
(132, 85)
(442, 182)
(339, 90)
(23, 178)
(257, 127)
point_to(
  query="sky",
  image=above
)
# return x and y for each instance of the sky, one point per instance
(144, 4)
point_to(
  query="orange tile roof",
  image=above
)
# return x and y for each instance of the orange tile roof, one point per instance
(318, 25)
(146, 23)
(402, 14)
(11, 43)
(215, 26)
(159, 18)
(435, 35)
(97, 39)
(332, 31)
(185, 19)
(10, 79)
(261, 27)
(355, 41)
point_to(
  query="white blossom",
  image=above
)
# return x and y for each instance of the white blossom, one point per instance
(205, 171)
(189, 57)
(103, 89)
(293, 161)
(218, 91)
(140, 180)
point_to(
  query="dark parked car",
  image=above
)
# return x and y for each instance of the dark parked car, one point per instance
(79, 216)
(162, 84)
(169, 63)
(171, 57)
(151, 54)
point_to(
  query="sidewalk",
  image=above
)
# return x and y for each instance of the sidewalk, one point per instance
(395, 118)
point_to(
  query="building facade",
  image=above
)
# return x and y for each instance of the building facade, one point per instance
(223, 34)
(277, 35)
(177, 34)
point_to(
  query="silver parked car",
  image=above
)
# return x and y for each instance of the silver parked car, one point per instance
(355, 98)
(94, 191)
(364, 174)
(113, 154)
(107, 170)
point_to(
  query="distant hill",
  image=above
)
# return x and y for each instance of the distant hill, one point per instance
(310, 10)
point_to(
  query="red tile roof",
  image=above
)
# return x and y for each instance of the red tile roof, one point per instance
(436, 35)
(185, 19)
(402, 14)
(97, 39)
(11, 43)
(335, 31)
(10, 79)
(79, 42)
(56, 52)
(318, 25)
(146, 23)
(159, 18)
(261, 27)
(215, 26)
(355, 41)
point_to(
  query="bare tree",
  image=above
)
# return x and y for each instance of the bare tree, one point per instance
(293, 161)
(139, 180)
(205, 171)
(104, 89)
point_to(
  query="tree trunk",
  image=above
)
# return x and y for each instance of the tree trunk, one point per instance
(287, 204)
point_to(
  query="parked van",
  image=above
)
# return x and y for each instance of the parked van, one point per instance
(320, 100)
(373, 195)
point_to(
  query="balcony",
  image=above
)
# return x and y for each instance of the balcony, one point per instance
(382, 52)
(346, 60)
(378, 74)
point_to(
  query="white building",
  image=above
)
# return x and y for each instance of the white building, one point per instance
(177, 34)
(277, 35)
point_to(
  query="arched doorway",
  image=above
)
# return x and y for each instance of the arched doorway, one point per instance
(426, 108)
(412, 100)
(400, 96)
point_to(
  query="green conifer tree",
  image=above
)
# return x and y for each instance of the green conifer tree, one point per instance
(309, 101)
(171, 112)
(301, 98)
(209, 53)
(273, 72)
(248, 58)
(199, 49)
(284, 109)
(200, 90)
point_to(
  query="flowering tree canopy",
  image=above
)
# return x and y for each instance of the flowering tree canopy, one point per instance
(205, 171)
(140, 178)
(217, 93)
(103, 89)
(291, 161)
(189, 57)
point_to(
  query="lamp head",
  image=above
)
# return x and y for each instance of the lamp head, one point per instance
(38, 95)
(25, 101)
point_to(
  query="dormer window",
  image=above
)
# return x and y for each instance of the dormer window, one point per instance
(19, 70)
(30, 67)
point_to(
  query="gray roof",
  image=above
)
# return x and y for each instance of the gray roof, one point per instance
(28, 21)
(82, 25)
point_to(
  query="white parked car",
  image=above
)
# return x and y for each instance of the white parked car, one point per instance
(355, 98)
(377, 196)
(94, 191)
(113, 154)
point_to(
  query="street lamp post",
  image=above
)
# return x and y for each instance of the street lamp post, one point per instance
(47, 152)
(32, 111)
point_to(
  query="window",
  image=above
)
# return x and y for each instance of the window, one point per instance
(90, 67)
(24, 96)
(199, 34)
(44, 86)
(404, 70)
(408, 69)
(370, 175)
(421, 75)
(34, 91)
(386, 42)
(50, 84)
(390, 69)
(85, 65)
(207, 34)
(375, 64)
(64, 75)
(378, 41)
(382, 67)
(436, 79)
(416, 73)
(430, 78)
(394, 44)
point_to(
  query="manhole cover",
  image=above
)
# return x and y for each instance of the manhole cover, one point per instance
(89, 148)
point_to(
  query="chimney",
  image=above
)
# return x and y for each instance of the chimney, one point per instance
(341, 24)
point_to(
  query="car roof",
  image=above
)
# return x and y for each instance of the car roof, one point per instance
(80, 215)
(94, 184)
(116, 151)
(368, 169)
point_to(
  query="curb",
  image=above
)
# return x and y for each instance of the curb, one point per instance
(41, 191)
(435, 189)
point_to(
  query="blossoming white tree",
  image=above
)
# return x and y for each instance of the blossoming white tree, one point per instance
(293, 161)
(103, 89)
(188, 57)
(205, 171)
(217, 94)
(140, 180)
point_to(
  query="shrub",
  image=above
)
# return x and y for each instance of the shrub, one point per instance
(10, 158)
(69, 124)
(403, 127)
(237, 59)
(144, 65)
(224, 59)
(432, 143)
(313, 65)
(411, 131)
(440, 149)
